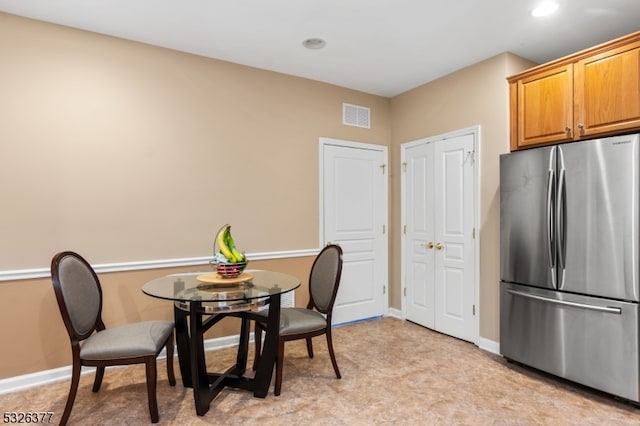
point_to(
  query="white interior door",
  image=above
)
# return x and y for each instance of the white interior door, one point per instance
(354, 215)
(439, 248)
(454, 250)
(419, 260)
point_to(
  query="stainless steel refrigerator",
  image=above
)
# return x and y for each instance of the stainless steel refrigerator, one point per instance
(569, 261)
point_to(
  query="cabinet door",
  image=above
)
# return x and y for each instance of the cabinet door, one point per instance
(607, 92)
(545, 107)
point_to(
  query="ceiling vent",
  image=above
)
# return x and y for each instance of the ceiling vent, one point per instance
(354, 115)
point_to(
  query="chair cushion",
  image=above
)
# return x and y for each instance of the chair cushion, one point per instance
(127, 341)
(300, 320)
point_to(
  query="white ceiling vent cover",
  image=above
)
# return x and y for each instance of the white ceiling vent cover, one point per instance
(354, 115)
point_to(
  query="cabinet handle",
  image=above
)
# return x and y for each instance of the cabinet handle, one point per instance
(568, 130)
(439, 246)
(581, 127)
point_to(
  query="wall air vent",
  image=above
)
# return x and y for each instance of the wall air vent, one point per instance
(354, 115)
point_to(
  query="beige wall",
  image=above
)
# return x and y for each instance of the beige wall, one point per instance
(477, 95)
(127, 152)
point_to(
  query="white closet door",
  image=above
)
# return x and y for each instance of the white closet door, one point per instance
(439, 250)
(419, 258)
(454, 257)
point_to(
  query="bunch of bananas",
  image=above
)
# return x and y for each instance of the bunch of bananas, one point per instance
(227, 246)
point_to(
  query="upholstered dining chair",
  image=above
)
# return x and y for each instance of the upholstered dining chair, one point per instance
(79, 297)
(315, 319)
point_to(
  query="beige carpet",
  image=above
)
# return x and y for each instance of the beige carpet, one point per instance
(394, 373)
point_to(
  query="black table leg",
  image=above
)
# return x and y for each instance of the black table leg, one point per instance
(200, 380)
(192, 359)
(243, 347)
(182, 343)
(264, 370)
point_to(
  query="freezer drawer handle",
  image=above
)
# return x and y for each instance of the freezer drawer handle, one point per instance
(609, 309)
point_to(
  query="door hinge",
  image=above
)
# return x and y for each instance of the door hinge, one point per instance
(405, 292)
(383, 167)
(404, 166)
(384, 229)
(474, 310)
(384, 289)
(471, 155)
(474, 233)
(404, 229)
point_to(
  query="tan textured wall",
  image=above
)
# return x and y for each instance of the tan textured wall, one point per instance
(477, 95)
(126, 152)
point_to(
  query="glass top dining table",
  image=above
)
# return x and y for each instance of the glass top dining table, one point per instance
(201, 300)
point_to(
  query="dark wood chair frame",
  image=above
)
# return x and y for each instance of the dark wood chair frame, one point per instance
(149, 361)
(259, 327)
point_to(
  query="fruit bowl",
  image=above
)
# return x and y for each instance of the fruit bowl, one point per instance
(229, 270)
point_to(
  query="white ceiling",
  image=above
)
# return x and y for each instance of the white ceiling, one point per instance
(383, 47)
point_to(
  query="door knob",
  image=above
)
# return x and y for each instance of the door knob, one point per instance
(439, 246)
(429, 245)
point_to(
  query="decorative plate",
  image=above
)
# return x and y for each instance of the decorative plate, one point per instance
(214, 278)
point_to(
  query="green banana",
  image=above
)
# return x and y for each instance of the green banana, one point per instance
(239, 256)
(231, 245)
(221, 240)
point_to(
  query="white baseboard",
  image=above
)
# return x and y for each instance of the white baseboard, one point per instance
(489, 345)
(395, 313)
(26, 381)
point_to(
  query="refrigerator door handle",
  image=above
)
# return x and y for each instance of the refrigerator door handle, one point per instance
(561, 218)
(551, 243)
(607, 309)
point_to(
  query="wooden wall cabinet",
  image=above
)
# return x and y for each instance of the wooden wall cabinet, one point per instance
(592, 93)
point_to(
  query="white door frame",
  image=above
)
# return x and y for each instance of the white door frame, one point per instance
(475, 131)
(324, 141)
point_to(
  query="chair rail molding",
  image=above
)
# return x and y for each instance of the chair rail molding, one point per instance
(26, 274)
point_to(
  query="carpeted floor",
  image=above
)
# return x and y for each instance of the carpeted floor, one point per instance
(393, 373)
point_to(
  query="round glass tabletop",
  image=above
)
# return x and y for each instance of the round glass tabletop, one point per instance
(200, 286)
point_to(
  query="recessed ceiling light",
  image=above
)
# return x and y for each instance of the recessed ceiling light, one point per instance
(545, 8)
(314, 43)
